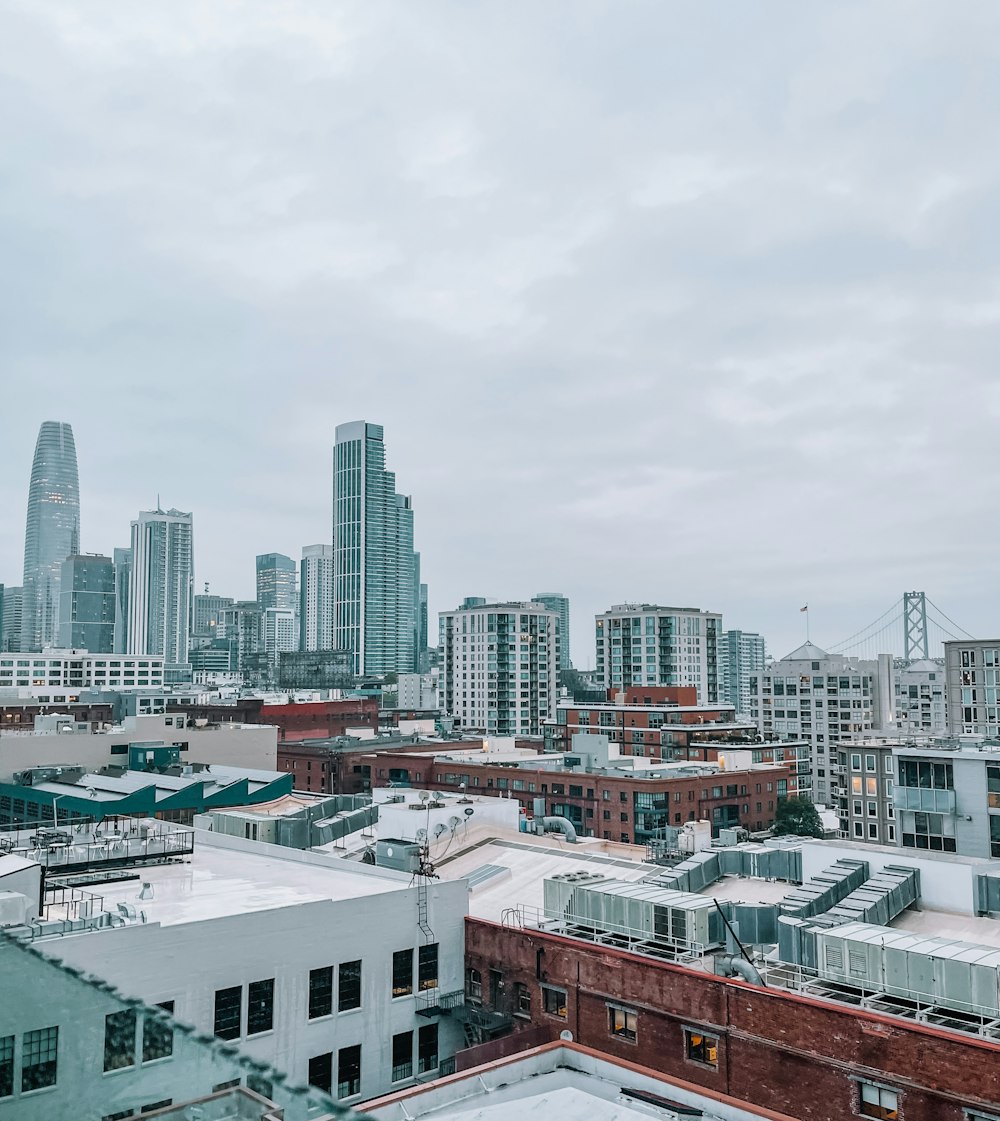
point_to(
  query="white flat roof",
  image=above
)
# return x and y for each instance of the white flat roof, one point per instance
(225, 880)
(530, 865)
(561, 1083)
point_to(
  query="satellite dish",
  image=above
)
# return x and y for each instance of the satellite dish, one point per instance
(439, 829)
(454, 821)
(469, 811)
(425, 795)
(421, 836)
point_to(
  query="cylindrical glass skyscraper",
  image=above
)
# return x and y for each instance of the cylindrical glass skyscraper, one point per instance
(52, 532)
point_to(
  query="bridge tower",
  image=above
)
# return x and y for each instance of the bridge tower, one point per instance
(915, 625)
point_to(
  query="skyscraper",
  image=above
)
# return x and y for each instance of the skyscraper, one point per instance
(316, 598)
(52, 532)
(375, 589)
(87, 604)
(208, 611)
(10, 621)
(741, 653)
(557, 602)
(162, 585)
(276, 575)
(123, 579)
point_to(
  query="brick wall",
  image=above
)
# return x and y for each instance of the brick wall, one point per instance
(775, 1049)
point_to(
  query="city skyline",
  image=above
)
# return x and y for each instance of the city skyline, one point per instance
(784, 637)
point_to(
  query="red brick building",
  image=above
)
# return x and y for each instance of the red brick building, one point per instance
(21, 715)
(326, 768)
(667, 723)
(814, 1059)
(307, 720)
(614, 805)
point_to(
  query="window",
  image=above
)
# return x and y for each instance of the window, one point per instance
(320, 992)
(119, 1116)
(554, 1001)
(321, 1071)
(260, 1006)
(119, 1039)
(877, 1101)
(701, 1048)
(522, 999)
(402, 973)
(161, 1104)
(228, 1012)
(427, 967)
(6, 1066)
(349, 1071)
(349, 985)
(39, 1050)
(622, 1022)
(402, 1056)
(427, 1048)
(473, 984)
(157, 1035)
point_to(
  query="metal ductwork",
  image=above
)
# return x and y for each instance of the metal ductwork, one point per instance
(728, 965)
(559, 825)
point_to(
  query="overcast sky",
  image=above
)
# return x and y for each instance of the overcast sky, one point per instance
(690, 303)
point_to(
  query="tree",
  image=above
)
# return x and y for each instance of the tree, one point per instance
(797, 817)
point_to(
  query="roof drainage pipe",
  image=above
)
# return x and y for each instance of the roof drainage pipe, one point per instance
(729, 966)
(560, 825)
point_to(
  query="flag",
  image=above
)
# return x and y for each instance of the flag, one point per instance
(806, 608)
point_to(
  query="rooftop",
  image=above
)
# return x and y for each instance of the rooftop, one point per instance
(562, 1082)
(225, 876)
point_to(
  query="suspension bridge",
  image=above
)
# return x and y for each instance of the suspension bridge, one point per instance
(912, 628)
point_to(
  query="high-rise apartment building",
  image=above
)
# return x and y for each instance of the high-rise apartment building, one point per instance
(500, 667)
(643, 644)
(123, 580)
(741, 654)
(972, 675)
(52, 532)
(557, 602)
(316, 598)
(162, 585)
(10, 619)
(87, 604)
(423, 636)
(825, 699)
(375, 589)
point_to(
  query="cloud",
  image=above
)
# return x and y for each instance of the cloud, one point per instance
(693, 303)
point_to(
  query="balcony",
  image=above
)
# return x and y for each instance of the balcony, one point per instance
(924, 798)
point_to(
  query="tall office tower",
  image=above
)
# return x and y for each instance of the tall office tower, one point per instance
(162, 585)
(52, 532)
(276, 582)
(642, 644)
(500, 667)
(10, 620)
(373, 560)
(123, 578)
(316, 598)
(557, 602)
(87, 604)
(741, 653)
(207, 616)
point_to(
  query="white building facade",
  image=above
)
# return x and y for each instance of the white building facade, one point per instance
(499, 668)
(329, 969)
(643, 644)
(161, 591)
(316, 598)
(825, 699)
(78, 669)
